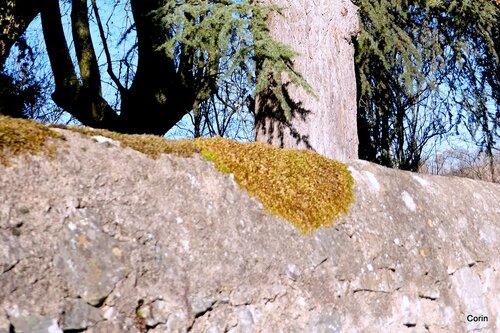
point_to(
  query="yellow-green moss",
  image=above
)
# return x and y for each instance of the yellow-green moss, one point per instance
(18, 136)
(305, 188)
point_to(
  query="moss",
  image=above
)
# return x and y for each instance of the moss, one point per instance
(18, 136)
(305, 188)
(150, 145)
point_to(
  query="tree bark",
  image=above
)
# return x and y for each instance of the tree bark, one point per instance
(321, 31)
(87, 60)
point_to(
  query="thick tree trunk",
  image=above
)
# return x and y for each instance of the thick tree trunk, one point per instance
(321, 31)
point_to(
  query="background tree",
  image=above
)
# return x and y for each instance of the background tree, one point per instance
(186, 52)
(463, 163)
(425, 68)
(225, 114)
(321, 32)
(15, 16)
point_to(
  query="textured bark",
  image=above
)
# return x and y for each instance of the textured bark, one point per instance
(87, 60)
(321, 31)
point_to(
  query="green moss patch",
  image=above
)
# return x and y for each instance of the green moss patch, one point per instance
(305, 188)
(19, 136)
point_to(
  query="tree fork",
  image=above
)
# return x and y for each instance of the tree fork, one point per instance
(159, 96)
(79, 100)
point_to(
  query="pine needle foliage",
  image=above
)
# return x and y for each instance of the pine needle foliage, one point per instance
(227, 37)
(425, 68)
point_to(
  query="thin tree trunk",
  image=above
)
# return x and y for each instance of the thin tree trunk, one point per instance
(321, 31)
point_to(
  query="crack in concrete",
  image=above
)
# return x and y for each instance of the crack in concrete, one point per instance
(11, 267)
(355, 291)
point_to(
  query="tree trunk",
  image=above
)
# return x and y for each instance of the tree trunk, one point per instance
(321, 32)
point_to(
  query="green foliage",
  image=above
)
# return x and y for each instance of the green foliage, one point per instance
(418, 62)
(227, 37)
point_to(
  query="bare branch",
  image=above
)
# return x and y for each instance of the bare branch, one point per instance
(115, 79)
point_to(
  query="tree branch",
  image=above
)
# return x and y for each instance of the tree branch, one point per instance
(115, 79)
(87, 60)
(58, 52)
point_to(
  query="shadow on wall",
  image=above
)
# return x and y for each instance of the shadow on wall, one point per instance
(271, 122)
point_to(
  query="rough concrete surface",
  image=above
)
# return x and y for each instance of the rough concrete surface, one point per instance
(105, 239)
